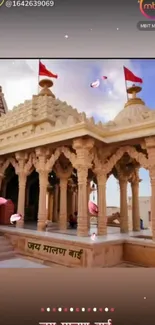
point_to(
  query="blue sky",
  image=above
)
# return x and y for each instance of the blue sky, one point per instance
(147, 73)
(19, 79)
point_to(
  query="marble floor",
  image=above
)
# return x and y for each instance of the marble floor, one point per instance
(113, 234)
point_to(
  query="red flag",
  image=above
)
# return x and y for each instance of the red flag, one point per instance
(44, 72)
(104, 77)
(130, 76)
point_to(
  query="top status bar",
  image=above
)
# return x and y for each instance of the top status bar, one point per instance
(27, 3)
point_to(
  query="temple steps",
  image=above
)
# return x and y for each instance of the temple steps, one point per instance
(6, 249)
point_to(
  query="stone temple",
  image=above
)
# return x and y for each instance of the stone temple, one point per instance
(49, 156)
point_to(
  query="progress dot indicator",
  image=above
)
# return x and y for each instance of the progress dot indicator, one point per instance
(65, 309)
(100, 309)
(112, 309)
(83, 309)
(89, 309)
(42, 310)
(71, 309)
(77, 310)
(106, 309)
(60, 309)
(54, 310)
(94, 309)
(48, 309)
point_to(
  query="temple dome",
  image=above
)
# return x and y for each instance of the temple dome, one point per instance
(135, 111)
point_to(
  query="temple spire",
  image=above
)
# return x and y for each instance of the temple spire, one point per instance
(3, 105)
(134, 90)
(45, 84)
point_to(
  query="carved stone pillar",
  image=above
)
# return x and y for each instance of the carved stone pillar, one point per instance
(123, 205)
(1, 173)
(101, 187)
(42, 213)
(63, 174)
(82, 163)
(76, 200)
(82, 227)
(63, 204)
(69, 202)
(43, 166)
(22, 178)
(22, 165)
(56, 197)
(50, 208)
(88, 195)
(152, 177)
(150, 146)
(135, 205)
(73, 203)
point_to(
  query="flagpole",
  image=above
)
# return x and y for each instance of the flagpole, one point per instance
(38, 75)
(126, 85)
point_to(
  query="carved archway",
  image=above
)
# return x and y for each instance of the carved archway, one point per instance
(5, 164)
(132, 152)
(32, 197)
(9, 188)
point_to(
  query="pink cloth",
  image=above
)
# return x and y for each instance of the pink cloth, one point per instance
(93, 208)
(2, 200)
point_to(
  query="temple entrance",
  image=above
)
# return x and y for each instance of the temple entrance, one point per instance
(32, 199)
(10, 186)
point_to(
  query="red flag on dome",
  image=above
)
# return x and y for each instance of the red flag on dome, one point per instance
(44, 72)
(129, 76)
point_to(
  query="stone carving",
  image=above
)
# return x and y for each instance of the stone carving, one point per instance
(42, 162)
(63, 173)
(104, 166)
(84, 152)
(150, 147)
(22, 163)
(134, 113)
(133, 153)
(152, 176)
(100, 158)
(54, 157)
(4, 165)
(83, 117)
(150, 142)
(69, 155)
(134, 178)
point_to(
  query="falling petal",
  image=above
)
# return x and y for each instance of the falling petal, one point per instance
(95, 84)
(15, 217)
